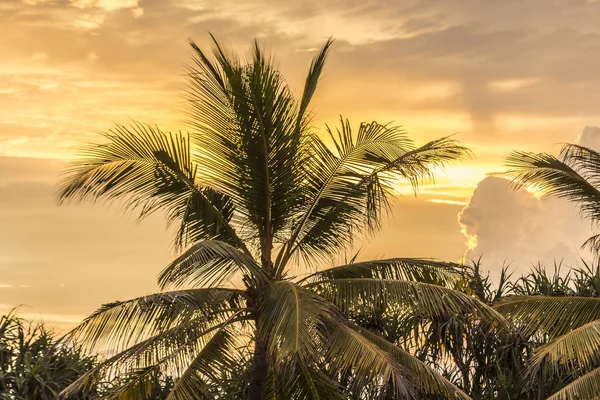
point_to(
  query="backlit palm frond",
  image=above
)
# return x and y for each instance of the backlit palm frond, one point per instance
(412, 269)
(210, 263)
(428, 300)
(217, 356)
(312, 81)
(301, 379)
(149, 170)
(250, 131)
(373, 367)
(584, 160)
(421, 376)
(554, 316)
(170, 351)
(592, 243)
(419, 165)
(293, 320)
(117, 326)
(579, 348)
(585, 388)
(549, 175)
(337, 198)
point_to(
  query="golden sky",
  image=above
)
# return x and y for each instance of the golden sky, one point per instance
(502, 75)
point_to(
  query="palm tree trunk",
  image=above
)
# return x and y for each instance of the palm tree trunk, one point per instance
(259, 371)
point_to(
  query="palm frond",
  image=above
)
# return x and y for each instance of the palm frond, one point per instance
(585, 388)
(169, 351)
(312, 79)
(245, 118)
(337, 198)
(118, 325)
(547, 174)
(422, 377)
(553, 316)
(293, 319)
(210, 263)
(214, 358)
(418, 166)
(584, 160)
(373, 367)
(428, 300)
(592, 243)
(150, 170)
(579, 348)
(348, 189)
(132, 385)
(300, 379)
(412, 269)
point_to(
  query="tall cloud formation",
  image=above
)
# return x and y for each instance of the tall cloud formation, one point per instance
(507, 226)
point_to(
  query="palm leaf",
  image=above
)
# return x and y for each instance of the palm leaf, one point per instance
(150, 170)
(428, 300)
(585, 388)
(584, 160)
(210, 263)
(549, 175)
(578, 348)
(372, 366)
(246, 119)
(336, 197)
(418, 166)
(422, 377)
(214, 358)
(300, 379)
(312, 80)
(292, 318)
(553, 316)
(118, 325)
(413, 269)
(170, 351)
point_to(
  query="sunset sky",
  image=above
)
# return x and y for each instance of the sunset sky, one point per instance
(502, 75)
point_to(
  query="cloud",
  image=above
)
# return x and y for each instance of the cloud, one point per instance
(434, 70)
(590, 137)
(515, 226)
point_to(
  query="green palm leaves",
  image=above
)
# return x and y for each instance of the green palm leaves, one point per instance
(252, 191)
(575, 177)
(571, 323)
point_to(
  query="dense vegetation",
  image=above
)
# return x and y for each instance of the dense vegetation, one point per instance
(256, 195)
(484, 362)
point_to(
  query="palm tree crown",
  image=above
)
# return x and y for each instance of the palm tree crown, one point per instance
(253, 191)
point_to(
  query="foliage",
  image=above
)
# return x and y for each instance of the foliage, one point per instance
(569, 322)
(255, 193)
(33, 365)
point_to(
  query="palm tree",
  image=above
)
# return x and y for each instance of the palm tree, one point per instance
(253, 193)
(570, 323)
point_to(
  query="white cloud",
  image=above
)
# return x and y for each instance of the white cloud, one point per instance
(590, 137)
(515, 226)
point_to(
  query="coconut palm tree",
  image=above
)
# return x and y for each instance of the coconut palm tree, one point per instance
(571, 323)
(254, 194)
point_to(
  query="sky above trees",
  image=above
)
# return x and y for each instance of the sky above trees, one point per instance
(501, 75)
